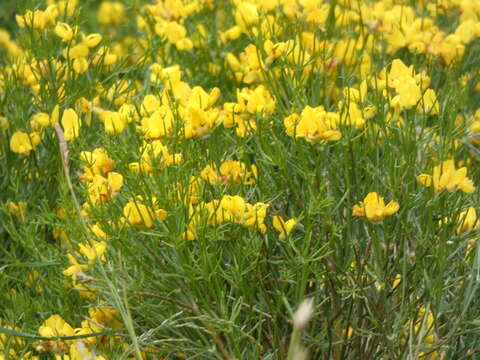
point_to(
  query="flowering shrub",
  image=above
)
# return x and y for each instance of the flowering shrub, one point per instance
(177, 176)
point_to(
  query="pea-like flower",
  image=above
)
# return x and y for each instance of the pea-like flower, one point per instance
(55, 326)
(71, 124)
(374, 209)
(23, 143)
(446, 177)
(141, 215)
(466, 221)
(313, 125)
(284, 227)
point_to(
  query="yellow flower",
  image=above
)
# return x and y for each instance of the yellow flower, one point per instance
(55, 326)
(232, 33)
(429, 104)
(174, 32)
(54, 117)
(232, 208)
(76, 52)
(451, 49)
(37, 19)
(467, 30)
(199, 122)
(93, 252)
(96, 230)
(42, 119)
(284, 227)
(114, 122)
(71, 124)
(210, 175)
(104, 56)
(92, 40)
(159, 124)
(408, 93)
(188, 235)
(150, 104)
(80, 65)
(106, 316)
(98, 163)
(258, 100)
(111, 12)
(246, 15)
(424, 326)
(104, 188)
(64, 31)
(351, 114)
(467, 220)
(446, 176)
(23, 143)
(140, 215)
(315, 124)
(75, 267)
(154, 154)
(236, 171)
(255, 216)
(374, 209)
(201, 99)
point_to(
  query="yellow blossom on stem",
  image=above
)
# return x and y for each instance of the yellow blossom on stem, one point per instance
(96, 230)
(246, 15)
(158, 124)
(141, 215)
(23, 143)
(80, 65)
(232, 208)
(106, 316)
(374, 209)
(188, 235)
(42, 119)
(429, 104)
(55, 326)
(284, 227)
(37, 19)
(408, 93)
(236, 171)
(256, 101)
(93, 251)
(71, 124)
(255, 216)
(76, 52)
(104, 188)
(115, 123)
(92, 40)
(111, 13)
(210, 175)
(424, 327)
(75, 268)
(446, 177)
(467, 220)
(64, 31)
(313, 125)
(98, 163)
